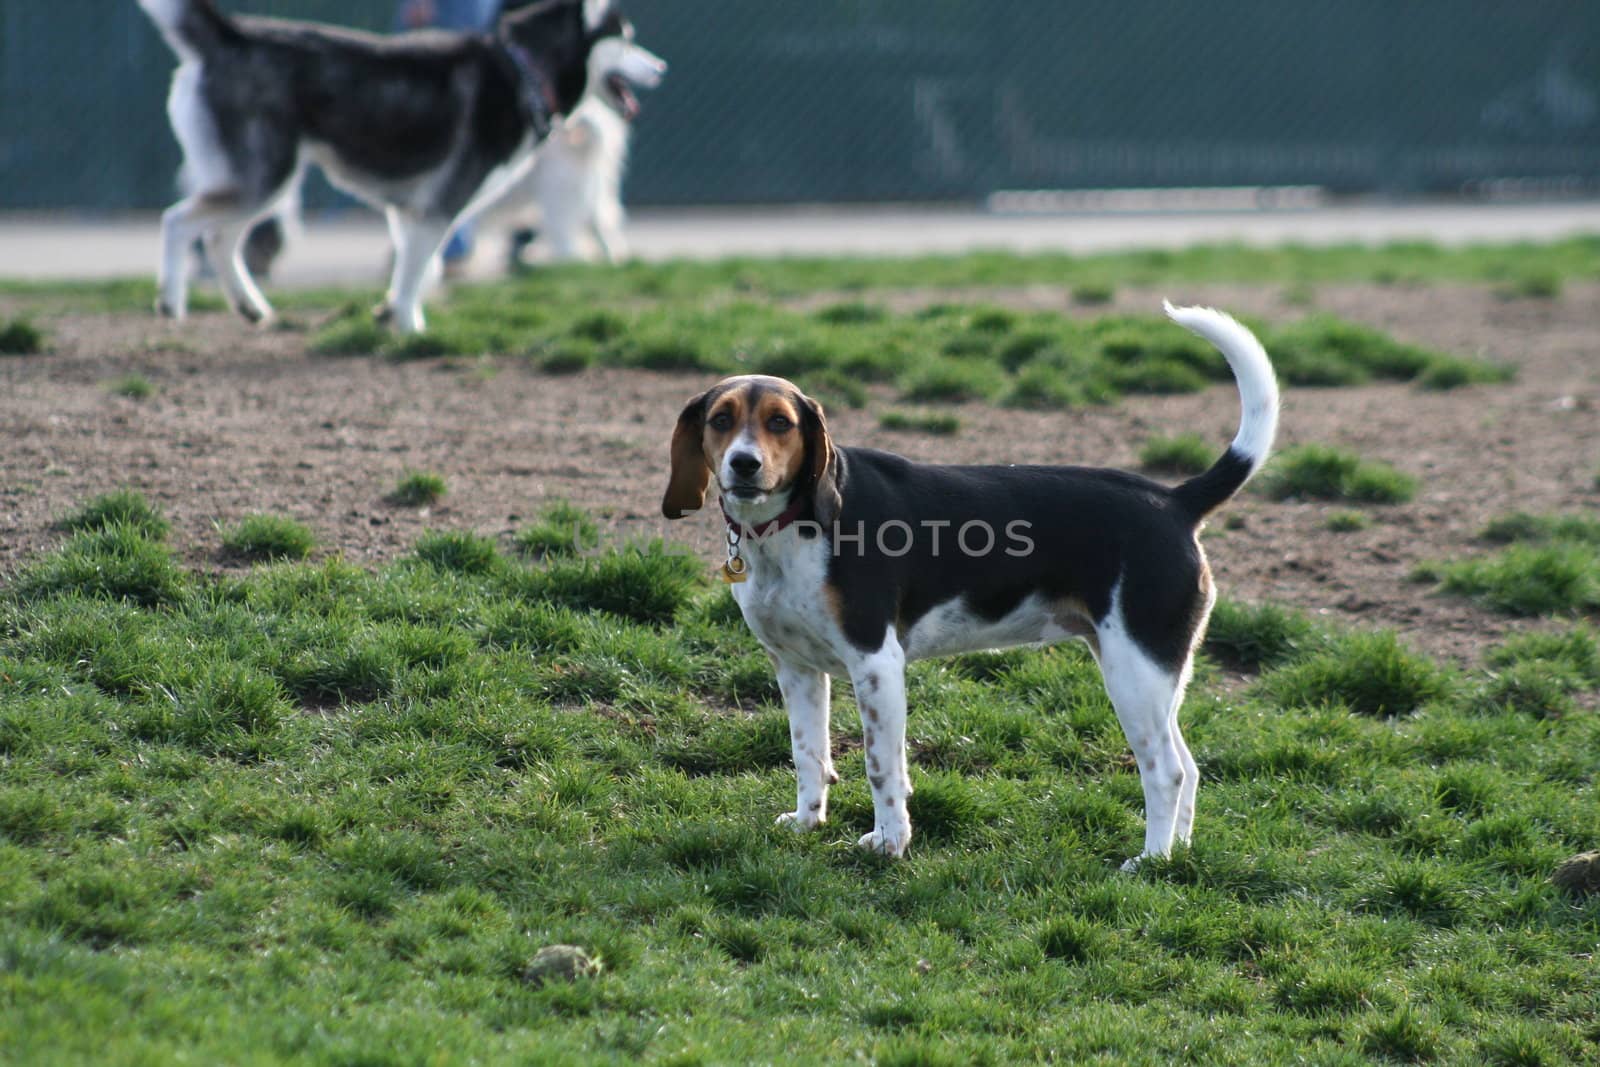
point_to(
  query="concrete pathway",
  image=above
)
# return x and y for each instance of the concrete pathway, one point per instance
(354, 247)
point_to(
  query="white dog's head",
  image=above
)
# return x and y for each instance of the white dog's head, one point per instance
(617, 66)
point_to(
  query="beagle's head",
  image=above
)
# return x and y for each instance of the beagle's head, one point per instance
(763, 440)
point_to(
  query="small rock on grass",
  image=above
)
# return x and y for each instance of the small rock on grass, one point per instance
(560, 963)
(1580, 875)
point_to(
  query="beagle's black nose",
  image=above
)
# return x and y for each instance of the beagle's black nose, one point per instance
(744, 464)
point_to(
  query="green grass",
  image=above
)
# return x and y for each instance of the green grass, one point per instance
(738, 316)
(1261, 635)
(938, 424)
(1323, 472)
(942, 353)
(1532, 284)
(124, 507)
(261, 537)
(417, 489)
(562, 530)
(1561, 578)
(1550, 565)
(1523, 527)
(1570, 259)
(1090, 293)
(20, 337)
(318, 814)
(1367, 673)
(1324, 350)
(1187, 453)
(1346, 521)
(132, 386)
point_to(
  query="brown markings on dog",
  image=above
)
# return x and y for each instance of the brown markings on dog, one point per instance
(833, 598)
(768, 410)
(1072, 615)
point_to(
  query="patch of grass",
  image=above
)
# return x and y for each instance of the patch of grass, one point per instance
(1322, 472)
(121, 507)
(1575, 651)
(457, 550)
(1403, 1037)
(315, 783)
(20, 337)
(562, 530)
(118, 561)
(1368, 673)
(649, 584)
(354, 333)
(1253, 637)
(1093, 293)
(834, 389)
(928, 422)
(1046, 387)
(1187, 453)
(132, 386)
(261, 536)
(1522, 527)
(851, 313)
(950, 381)
(567, 356)
(1346, 521)
(1538, 689)
(1448, 372)
(1323, 350)
(417, 489)
(428, 345)
(1562, 578)
(1531, 284)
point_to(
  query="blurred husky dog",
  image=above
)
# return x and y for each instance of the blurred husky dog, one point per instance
(576, 181)
(428, 126)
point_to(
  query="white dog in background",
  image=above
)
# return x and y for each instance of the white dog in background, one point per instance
(576, 183)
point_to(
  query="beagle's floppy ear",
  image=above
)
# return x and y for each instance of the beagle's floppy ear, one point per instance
(686, 485)
(822, 466)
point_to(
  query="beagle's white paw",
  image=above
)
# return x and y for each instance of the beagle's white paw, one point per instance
(800, 821)
(892, 843)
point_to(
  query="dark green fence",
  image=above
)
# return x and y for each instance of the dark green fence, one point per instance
(863, 100)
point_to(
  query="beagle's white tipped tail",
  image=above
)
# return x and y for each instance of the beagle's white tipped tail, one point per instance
(1258, 398)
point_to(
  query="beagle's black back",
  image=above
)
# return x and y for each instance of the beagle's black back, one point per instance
(1088, 528)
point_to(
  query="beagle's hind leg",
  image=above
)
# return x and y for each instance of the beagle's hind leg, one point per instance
(1146, 697)
(880, 685)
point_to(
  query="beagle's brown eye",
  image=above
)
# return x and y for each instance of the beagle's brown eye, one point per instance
(779, 424)
(722, 422)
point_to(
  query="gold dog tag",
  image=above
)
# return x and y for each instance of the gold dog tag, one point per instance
(734, 571)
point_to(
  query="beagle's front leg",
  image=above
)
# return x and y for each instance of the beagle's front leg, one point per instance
(805, 694)
(880, 685)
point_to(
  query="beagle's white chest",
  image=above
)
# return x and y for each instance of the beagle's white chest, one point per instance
(784, 605)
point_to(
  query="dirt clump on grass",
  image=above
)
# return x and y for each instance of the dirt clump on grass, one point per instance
(240, 421)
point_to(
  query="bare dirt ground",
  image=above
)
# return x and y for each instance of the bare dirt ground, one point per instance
(245, 421)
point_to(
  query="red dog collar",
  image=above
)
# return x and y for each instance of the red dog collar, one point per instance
(761, 529)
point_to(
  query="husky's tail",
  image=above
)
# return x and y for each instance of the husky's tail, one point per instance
(1258, 397)
(193, 28)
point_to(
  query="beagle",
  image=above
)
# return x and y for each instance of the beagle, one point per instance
(856, 561)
